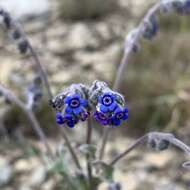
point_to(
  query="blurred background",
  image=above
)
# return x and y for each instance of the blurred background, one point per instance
(81, 41)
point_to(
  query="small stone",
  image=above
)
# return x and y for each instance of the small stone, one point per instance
(80, 36)
(160, 159)
(22, 165)
(38, 176)
(5, 172)
(49, 185)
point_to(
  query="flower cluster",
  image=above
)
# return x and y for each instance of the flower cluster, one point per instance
(76, 103)
(71, 106)
(148, 29)
(179, 6)
(14, 31)
(109, 105)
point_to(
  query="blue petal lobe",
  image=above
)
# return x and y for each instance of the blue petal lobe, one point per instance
(67, 99)
(125, 117)
(77, 110)
(116, 122)
(113, 106)
(103, 108)
(70, 124)
(83, 102)
(68, 110)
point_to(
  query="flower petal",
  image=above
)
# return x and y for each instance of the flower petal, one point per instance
(116, 122)
(125, 117)
(117, 110)
(104, 122)
(60, 122)
(84, 116)
(68, 116)
(76, 111)
(59, 118)
(68, 110)
(67, 99)
(83, 102)
(100, 98)
(71, 124)
(113, 106)
(103, 108)
(59, 115)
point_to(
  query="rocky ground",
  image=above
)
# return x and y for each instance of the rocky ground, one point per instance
(143, 169)
(81, 51)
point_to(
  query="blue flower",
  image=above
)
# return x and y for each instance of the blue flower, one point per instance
(119, 114)
(182, 7)
(75, 104)
(68, 119)
(84, 115)
(101, 118)
(107, 102)
(59, 118)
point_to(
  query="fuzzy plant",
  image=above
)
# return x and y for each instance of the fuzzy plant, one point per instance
(84, 102)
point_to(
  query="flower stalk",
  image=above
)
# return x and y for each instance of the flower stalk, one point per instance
(155, 140)
(88, 142)
(32, 118)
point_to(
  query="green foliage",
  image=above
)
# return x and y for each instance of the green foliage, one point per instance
(88, 150)
(73, 179)
(104, 171)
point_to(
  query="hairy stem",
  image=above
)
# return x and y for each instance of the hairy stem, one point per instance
(45, 79)
(103, 145)
(42, 72)
(12, 25)
(153, 136)
(44, 76)
(35, 125)
(68, 144)
(128, 150)
(88, 141)
(122, 66)
(17, 33)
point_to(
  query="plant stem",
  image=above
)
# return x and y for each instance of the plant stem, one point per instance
(89, 131)
(103, 145)
(68, 144)
(39, 66)
(123, 64)
(88, 141)
(44, 76)
(11, 24)
(153, 136)
(35, 125)
(39, 131)
(128, 150)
